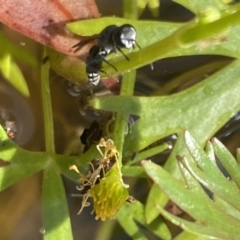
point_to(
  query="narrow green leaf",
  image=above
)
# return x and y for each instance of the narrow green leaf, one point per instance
(172, 165)
(174, 188)
(182, 194)
(135, 211)
(226, 207)
(125, 219)
(189, 236)
(210, 215)
(160, 228)
(56, 221)
(27, 165)
(210, 152)
(13, 74)
(16, 51)
(227, 160)
(23, 163)
(209, 175)
(202, 230)
(156, 198)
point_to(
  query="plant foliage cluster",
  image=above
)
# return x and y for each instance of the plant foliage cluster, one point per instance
(202, 109)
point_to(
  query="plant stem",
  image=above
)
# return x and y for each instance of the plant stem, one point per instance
(144, 155)
(121, 127)
(47, 108)
(105, 231)
(133, 171)
(130, 9)
(201, 31)
(127, 88)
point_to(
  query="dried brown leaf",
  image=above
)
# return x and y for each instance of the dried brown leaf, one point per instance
(45, 21)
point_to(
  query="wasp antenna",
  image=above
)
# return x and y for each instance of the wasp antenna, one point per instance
(138, 45)
(120, 50)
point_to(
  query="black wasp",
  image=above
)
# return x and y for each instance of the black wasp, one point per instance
(111, 39)
(94, 62)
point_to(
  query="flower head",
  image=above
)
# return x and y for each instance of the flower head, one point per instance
(103, 182)
(109, 195)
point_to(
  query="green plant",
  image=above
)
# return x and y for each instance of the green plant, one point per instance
(213, 100)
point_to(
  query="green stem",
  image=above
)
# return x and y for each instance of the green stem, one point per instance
(133, 171)
(127, 88)
(154, 6)
(144, 155)
(105, 231)
(201, 31)
(238, 156)
(47, 108)
(130, 9)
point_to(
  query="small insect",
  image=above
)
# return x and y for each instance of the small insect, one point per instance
(113, 38)
(94, 63)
